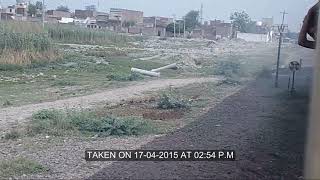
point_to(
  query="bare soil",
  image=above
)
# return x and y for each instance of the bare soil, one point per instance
(266, 127)
(11, 117)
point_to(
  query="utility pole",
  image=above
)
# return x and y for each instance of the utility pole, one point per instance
(184, 26)
(179, 28)
(281, 30)
(155, 25)
(174, 25)
(43, 13)
(201, 14)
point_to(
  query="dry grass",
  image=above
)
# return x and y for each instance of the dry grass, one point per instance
(25, 57)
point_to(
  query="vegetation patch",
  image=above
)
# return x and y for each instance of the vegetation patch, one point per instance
(74, 34)
(19, 167)
(12, 135)
(229, 67)
(58, 123)
(20, 46)
(171, 100)
(64, 83)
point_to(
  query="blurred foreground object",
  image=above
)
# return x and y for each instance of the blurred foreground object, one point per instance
(312, 160)
(309, 27)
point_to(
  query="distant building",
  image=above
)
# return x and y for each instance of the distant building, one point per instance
(102, 19)
(58, 14)
(221, 29)
(125, 15)
(267, 22)
(83, 14)
(155, 20)
(21, 10)
(8, 13)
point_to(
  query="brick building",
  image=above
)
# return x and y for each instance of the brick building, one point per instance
(125, 15)
(83, 14)
(58, 14)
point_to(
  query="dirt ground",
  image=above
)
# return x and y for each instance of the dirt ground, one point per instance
(266, 127)
(250, 121)
(11, 117)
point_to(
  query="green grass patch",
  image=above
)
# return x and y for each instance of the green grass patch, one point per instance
(12, 135)
(58, 123)
(19, 167)
(64, 83)
(172, 100)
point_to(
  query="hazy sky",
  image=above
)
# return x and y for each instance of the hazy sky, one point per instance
(219, 9)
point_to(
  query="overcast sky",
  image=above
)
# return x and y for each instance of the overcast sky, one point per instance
(213, 9)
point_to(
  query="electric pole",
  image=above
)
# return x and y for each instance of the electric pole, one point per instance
(179, 29)
(155, 25)
(43, 13)
(281, 30)
(201, 14)
(174, 25)
(184, 26)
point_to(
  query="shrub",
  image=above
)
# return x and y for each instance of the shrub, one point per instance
(172, 101)
(13, 134)
(229, 67)
(7, 103)
(125, 77)
(64, 83)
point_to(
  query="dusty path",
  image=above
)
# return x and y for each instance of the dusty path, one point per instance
(263, 125)
(12, 116)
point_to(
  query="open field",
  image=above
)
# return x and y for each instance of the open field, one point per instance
(85, 95)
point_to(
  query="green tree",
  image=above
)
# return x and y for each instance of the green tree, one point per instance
(170, 27)
(192, 20)
(63, 8)
(128, 24)
(39, 5)
(32, 9)
(242, 21)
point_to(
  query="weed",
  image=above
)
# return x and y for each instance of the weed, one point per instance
(20, 166)
(172, 101)
(12, 135)
(228, 68)
(64, 83)
(7, 103)
(125, 77)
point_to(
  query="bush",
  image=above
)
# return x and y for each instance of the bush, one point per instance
(7, 103)
(125, 77)
(229, 68)
(172, 101)
(14, 134)
(64, 83)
